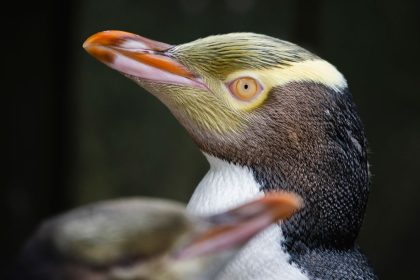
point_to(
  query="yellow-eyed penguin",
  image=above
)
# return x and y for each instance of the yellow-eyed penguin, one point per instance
(268, 115)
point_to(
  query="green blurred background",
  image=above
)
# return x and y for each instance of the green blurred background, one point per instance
(79, 132)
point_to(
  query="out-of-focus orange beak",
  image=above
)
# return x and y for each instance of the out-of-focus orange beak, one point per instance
(139, 57)
(233, 228)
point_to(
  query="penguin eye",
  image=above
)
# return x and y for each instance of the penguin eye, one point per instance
(245, 88)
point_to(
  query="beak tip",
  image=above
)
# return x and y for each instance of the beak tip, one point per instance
(283, 204)
(294, 199)
(85, 45)
(90, 41)
(103, 38)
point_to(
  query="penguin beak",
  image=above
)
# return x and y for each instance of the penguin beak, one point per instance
(139, 57)
(232, 229)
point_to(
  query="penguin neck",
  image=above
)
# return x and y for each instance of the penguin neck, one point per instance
(334, 195)
(225, 186)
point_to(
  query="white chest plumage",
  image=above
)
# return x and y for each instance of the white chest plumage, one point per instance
(225, 186)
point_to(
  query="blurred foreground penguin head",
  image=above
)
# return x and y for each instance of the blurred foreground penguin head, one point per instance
(144, 238)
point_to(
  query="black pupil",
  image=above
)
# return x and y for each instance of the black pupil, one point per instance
(246, 86)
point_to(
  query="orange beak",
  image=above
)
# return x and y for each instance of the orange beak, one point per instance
(234, 228)
(139, 58)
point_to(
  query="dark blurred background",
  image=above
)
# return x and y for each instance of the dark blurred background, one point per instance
(79, 132)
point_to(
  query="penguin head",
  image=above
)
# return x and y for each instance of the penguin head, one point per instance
(145, 238)
(229, 90)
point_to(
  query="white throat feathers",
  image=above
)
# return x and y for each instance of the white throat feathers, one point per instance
(225, 186)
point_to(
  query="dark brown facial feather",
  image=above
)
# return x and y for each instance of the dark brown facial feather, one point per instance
(305, 138)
